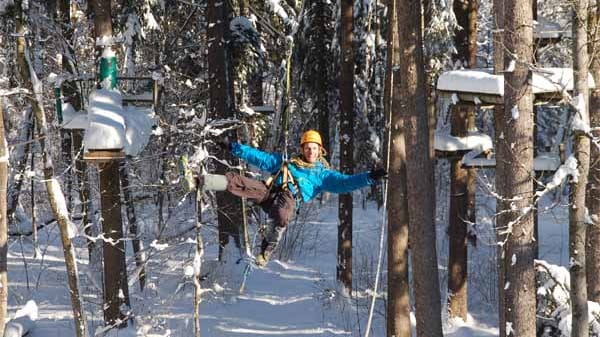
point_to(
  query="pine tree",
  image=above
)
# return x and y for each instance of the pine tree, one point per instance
(419, 170)
(398, 308)
(221, 105)
(581, 151)
(344, 264)
(514, 172)
(463, 183)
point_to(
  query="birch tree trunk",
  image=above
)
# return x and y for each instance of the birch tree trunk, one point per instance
(55, 194)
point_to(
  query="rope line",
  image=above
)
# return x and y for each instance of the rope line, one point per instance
(383, 223)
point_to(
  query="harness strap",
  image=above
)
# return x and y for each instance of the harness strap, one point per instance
(286, 178)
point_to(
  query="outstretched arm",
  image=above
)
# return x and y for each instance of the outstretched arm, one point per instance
(337, 182)
(265, 161)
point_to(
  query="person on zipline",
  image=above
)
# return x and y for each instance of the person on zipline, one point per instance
(300, 179)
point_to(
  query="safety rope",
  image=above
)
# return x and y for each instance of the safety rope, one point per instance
(388, 123)
(286, 110)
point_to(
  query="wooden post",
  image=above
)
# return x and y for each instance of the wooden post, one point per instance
(115, 271)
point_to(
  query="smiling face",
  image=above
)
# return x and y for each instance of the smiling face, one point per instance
(311, 152)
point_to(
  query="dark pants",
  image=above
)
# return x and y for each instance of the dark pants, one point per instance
(279, 204)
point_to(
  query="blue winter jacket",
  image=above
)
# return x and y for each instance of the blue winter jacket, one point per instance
(311, 181)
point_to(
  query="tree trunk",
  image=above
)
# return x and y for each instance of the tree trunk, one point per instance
(322, 79)
(221, 106)
(462, 181)
(398, 305)
(499, 128)
(138, 248)
(592, 253)
(344, 264)
(3, 220)
(116, 290)
(198, 263)
(581, 151)
(115, 269)
(84, 190)
(419, 169)
(55, 194)
(15, 181)
(514, 180)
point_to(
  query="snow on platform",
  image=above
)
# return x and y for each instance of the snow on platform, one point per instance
(139, 124)
(484, 81)
(543, 162)
(106, 130)
(112, 127)
(146, 96)
(544, 29)
(73, 120)
(474, 140)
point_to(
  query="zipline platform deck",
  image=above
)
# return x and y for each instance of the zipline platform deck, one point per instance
(448, 146)
(546, 162)
(482, 86)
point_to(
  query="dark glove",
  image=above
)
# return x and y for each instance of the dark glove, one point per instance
(223, 144)
(378, 174)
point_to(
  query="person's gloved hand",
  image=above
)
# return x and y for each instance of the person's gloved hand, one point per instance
(224, 144)
(378, 174)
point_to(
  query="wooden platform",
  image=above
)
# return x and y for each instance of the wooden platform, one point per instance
(103, 155)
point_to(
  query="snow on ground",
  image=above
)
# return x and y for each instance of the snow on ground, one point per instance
(297, 297)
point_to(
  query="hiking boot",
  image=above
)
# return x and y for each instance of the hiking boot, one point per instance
(262, 259)
(264, 256)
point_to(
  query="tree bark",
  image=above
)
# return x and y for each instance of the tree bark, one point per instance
(592, 253)
(498, 9)
(398, 305)
(55, 194)
(419, 168)
(115, 270)
(581, 151)
(593, 197)
(198, 263)
(514, 177)
(344, 264)
(3, 219)
(136, 243)
(221, 106)
(116, 290)
(462, 181)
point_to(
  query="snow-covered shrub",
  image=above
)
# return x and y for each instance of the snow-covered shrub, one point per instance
(553, 310)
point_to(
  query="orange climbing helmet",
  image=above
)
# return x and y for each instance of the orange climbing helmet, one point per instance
(311, 136)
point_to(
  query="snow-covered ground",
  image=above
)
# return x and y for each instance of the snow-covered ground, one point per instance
(297, 297)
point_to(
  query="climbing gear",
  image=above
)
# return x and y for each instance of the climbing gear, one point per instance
(287, 178)
(311, 136)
